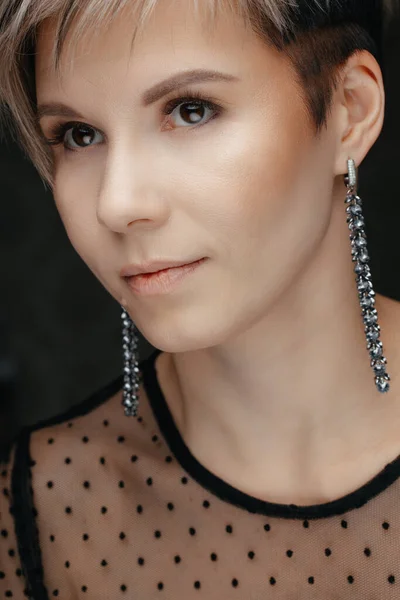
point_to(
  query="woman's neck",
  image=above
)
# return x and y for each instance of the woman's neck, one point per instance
(297, 420)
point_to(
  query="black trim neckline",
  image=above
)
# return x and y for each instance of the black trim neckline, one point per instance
(232, 495)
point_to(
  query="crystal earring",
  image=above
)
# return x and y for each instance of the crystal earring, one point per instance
(131, 366)
(366, 293)
(366, 296)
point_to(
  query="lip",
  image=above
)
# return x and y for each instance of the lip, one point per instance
(163, 281)
(153, 267)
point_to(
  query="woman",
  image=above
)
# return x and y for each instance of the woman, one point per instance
(262, 459)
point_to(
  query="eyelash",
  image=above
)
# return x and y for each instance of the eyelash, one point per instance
(59, 130)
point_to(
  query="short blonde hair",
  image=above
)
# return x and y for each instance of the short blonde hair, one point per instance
(317, 39)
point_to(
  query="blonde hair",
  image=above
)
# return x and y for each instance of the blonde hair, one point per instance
(314, 56)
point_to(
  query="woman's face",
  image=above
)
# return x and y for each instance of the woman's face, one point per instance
(243, 180)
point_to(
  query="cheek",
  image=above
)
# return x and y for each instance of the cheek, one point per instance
(270, 186)
(247, 187)
(74, 197)
(75, 219)
(75, 207)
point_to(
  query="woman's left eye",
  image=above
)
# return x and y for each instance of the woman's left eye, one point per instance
(191, 110)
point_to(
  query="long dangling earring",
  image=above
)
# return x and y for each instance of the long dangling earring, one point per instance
(131, 366)
(366, 293)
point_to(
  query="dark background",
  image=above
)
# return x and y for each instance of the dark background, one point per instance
(60, 333)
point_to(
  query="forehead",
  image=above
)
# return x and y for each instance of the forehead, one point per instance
(104, 60)
(172, 27)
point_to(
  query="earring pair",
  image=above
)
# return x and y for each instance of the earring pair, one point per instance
(366, 295)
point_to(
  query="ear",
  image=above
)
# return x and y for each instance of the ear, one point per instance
(359, 109)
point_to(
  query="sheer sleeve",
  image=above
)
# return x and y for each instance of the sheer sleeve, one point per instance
(12, 579)
(54, 482)
(25, 548)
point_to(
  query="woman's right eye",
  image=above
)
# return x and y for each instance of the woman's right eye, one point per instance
(74, 136)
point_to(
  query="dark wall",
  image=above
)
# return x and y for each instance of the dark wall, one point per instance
(60, 334)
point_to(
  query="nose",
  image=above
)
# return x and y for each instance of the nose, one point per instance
(128, 193)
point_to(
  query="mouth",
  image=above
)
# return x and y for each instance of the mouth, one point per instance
(152, 267)
(162, 281)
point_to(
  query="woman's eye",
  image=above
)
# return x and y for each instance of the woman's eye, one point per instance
(192, 113)
(79, 136)
(73, 136)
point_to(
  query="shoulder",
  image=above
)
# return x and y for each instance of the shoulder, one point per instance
(74, 432)
(44, 444)
(39, 474)
(34, 459)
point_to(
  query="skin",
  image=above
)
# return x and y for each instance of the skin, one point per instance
(264, 362)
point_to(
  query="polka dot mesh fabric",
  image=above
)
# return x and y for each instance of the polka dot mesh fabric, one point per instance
(100, 506)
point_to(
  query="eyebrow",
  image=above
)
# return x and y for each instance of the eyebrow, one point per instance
(153, 94)
(180, 80)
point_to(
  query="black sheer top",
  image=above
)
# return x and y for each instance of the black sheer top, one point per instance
(96, 505)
